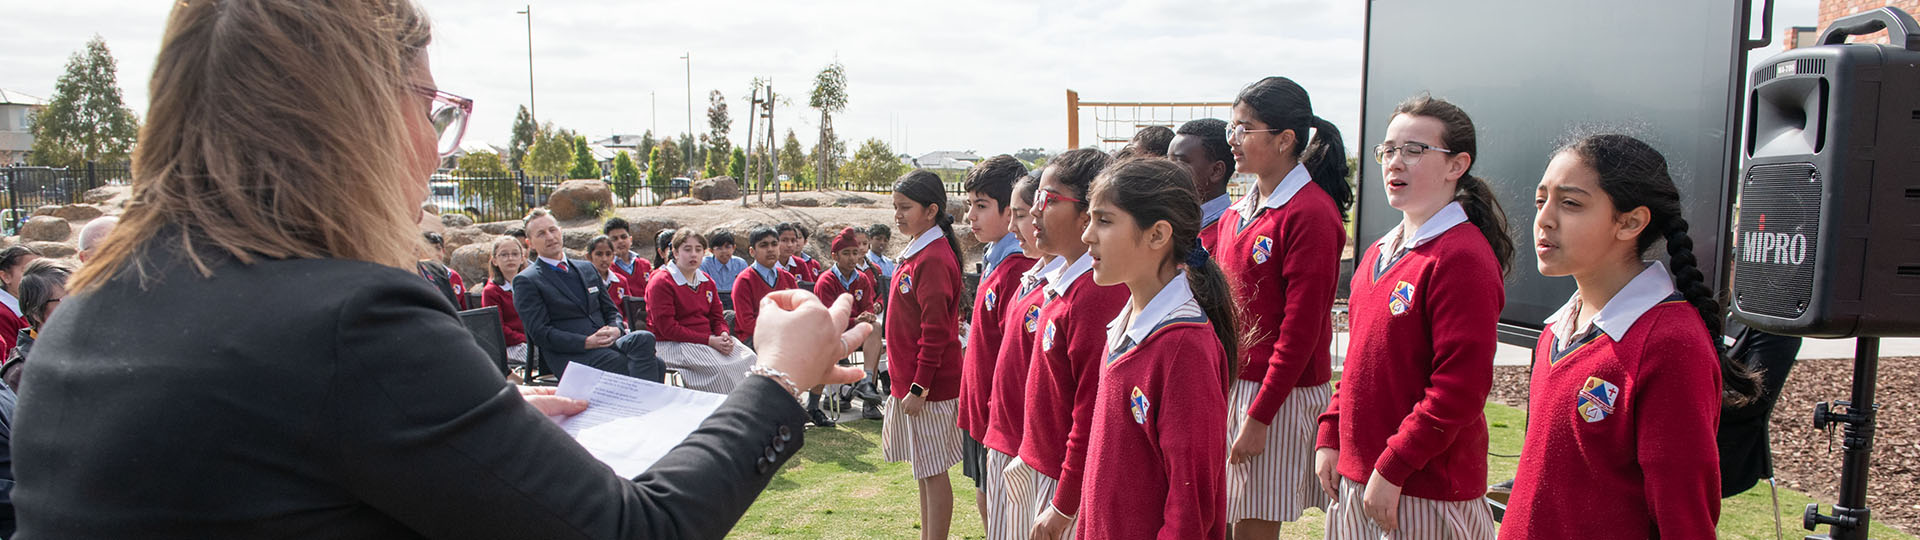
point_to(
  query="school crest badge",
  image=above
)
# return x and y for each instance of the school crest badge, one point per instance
(1598, 398)
(709, 297)
(990, 299)
(1139, 405)
(1402, 298)
(1262, 249)
(1033, 318)
(906, 284)
(859, 294)
(1046, 340)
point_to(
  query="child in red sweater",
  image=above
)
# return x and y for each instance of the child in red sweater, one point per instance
(793, 254)
(989, 185)
(922, 325)
(1403, 447)
(1061, 381)
(632, 268)
(1156, 456)
(509, 258)
(1014, 356)
(1280, 247)
(683, 312)
(762, 277)
(846, 278)
(1633, 339)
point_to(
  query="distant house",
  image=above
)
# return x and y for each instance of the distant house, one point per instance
(947, 159)
(16, 130)
(628, 142)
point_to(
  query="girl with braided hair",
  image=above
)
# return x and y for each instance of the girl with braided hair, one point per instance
(919, 423)
(1628, 379)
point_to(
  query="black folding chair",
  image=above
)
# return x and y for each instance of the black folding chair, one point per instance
(473, 300)
(634, 308)
(487, 330)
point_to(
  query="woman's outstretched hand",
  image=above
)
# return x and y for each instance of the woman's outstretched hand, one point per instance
(796, 335)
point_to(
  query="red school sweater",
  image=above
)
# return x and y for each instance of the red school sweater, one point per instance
(923, 324)
(1014, 359)
(493, 295)
(803, 269)
(637, 279)
(683, 314)
(1410, 399)
(830, 289)
(1157, 456)
(1284, 267)
(982, 353)
(1592, 466)
(748, 289)
(10, 326)
(1072, 341)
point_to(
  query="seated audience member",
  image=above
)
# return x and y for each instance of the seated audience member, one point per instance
(564, 307)
(846, 278)
(660, 255)
(13, 263)
(93, 233)
(721, 265)
(632, 268)
(793, 254)
(683, 310)
(762, 277)
(508, 260)
(878, 236)
(444, 279)
(42, 286)
(600, 255)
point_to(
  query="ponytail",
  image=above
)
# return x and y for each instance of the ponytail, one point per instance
(1210, 290)
(1739, 385)
(1326, 161)
(1483, 211)
(1282, 104)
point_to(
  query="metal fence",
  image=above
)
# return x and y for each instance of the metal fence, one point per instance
(28, 188)
(510, 197)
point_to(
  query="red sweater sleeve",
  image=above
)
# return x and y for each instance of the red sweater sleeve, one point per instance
(1310, 268)
(1329, 435)
(716, 312)
(1674, 441)
(495, 296)
(1086, 334)
(663, 310)
(1193, 449)
(934, 288)
(1463, 301)
(746, 304)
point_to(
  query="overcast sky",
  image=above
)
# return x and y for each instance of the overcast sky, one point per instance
(983, 75)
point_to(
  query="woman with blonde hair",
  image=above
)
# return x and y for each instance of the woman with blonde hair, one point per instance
(292, 139)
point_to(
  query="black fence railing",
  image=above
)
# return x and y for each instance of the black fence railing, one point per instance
(510, 197)
(28, 188)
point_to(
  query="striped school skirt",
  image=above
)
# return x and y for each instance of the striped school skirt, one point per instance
(1420, 519)
(1029, 496)
(1278, 484)
(1000, 521)
(703, 368)
(930, 440)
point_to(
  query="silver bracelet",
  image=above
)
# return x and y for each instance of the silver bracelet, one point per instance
(777, 376)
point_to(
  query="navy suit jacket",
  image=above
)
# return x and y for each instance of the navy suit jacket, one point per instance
(556, 317)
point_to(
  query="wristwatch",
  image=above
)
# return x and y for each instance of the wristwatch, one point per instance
(917, 390)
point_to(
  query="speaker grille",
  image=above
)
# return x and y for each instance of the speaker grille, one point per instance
(1779, 226)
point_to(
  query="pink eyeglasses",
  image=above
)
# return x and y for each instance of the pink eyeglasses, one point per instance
(449, 117)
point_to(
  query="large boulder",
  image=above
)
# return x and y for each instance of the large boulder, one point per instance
(430, 222)
(471, 262)
(78, 212)
(683, 201)
(800, 202)
(718, 187)
(644, 229)
(46, 210)
(45, 229)
(498, 227)
(580, 199)
(461, 236)
(105, 194)
(456, 220)
(578, 238)
(56, 250)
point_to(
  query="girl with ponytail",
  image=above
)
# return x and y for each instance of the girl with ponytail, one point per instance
(1156, 456)
(1628, 378)
(1280, 246)
(919, 422)
(1402, 448)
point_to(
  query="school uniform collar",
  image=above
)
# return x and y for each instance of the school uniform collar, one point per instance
(554, 263)
(877, 259)
(999, 250)
(846, 278)
(1211, 211)
(1295, 180)
(626, 266)
(1651, 287)
(1064, 277)
(507, 285)
(1040, 272)
(926, 238)
(12, 303)
(1450, 215)
(681, 279)
(765, 273)
(1162, 307)
(611, 277)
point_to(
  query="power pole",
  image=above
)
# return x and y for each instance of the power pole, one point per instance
(690, 138)
(533, 110)
(753, 113)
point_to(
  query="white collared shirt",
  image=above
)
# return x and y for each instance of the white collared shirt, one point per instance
(1449, 216)
(1177, 293)
(610, 278)
(1064, 277)
(12, 303)
(926, 238)
(1651, 287)
(554, 262)
(999, 250)
(680, 279)
(1295, 180)
(1211, 211)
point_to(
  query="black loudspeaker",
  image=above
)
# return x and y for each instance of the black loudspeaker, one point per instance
(1828, 240)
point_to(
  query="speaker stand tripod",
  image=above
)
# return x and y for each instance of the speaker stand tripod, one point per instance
(1850, 516)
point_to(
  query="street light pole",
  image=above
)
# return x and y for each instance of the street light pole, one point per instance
(690, 138)
(533, 111)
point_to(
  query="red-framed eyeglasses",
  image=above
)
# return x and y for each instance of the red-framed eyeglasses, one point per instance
(449, 116)
(1046, 198)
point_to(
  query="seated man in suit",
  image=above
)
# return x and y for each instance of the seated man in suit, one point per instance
(564, 308)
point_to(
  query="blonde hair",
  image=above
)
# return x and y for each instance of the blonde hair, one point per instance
(276, 130)
(494, 271)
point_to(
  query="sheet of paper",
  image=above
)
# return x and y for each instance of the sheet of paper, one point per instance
(631, 423)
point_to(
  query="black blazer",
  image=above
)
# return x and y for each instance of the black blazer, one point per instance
(360, 409)
(556, 317)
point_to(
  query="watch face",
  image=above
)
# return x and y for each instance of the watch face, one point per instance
(917, 390)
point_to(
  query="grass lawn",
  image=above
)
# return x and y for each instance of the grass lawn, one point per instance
(838, 487)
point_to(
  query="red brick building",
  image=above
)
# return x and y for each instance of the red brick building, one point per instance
(1799, 36)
